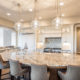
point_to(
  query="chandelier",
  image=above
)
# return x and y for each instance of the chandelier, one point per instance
(35, 22)
(57, 21)
(18, 24)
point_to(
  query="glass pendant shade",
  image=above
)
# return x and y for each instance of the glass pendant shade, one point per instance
(18, 26)
(35, 23)
(58, 21)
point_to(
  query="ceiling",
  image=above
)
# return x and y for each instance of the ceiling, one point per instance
(45, 9)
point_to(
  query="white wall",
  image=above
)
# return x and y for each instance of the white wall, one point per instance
(13, 38)
(1, 38)
(75, 37)
(29, 40)
(67, 35)
(10, 37)
(5, 37)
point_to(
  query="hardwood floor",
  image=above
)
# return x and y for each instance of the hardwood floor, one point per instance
(7, 76)
(53, 73)
(4, 71)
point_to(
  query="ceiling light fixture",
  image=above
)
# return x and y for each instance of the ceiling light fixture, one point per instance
(61, 3)
(58, 18)
(57, 22)
(18, 24)
(8, 14)
(62, 15)
(21, 20)
(30, 9)
(40, 17)
(35, 22)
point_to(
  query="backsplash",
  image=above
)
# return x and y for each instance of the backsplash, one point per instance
(53, 42)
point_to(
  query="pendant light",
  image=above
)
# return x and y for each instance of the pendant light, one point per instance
(57, 21)
(18, 24)
(35, 22)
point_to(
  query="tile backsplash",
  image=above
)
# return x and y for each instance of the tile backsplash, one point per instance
(53, 42)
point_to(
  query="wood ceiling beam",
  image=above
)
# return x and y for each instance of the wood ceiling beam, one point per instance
(6, 23)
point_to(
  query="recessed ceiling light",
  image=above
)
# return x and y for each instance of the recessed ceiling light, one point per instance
(40, 17)
(30, 9)
(8, 14)
(61, 3)
(62, 15)
(21, 20)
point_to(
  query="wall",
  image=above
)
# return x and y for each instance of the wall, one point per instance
(1, 37)
(75, 36)
(66, 33)
(5, 37)
(48, 33)
(27, 40)
(67, 36)
(13, 38)
(53, 42)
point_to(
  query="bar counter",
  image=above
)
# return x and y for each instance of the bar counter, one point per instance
(54, 61)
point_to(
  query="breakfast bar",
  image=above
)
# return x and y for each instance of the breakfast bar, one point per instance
(54, 61)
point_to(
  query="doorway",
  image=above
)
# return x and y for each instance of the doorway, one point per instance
(78, 40)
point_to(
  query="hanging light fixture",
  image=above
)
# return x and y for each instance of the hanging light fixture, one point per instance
(57, 20)
(18, 24)
(35, 22)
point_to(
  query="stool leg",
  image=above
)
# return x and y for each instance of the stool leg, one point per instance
(0, 73)
(18, 78)
(12, 77)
